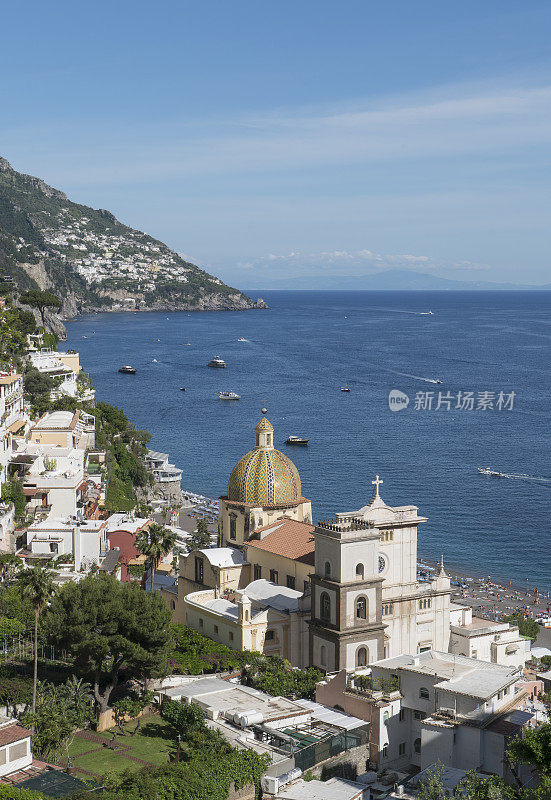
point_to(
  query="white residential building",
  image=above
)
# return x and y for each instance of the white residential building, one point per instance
(497, 642)
(15, 747)
(86, 542)
(12, 417)
(436, 706)
(164, 472)
(65, 429)
(64, 369)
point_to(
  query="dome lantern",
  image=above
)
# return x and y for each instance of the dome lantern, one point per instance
(264, 434)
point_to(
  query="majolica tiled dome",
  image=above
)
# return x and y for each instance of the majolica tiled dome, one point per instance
(264, 476)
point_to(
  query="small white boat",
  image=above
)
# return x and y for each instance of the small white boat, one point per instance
(154, 360)
(228, 396)
(345, 388)
(217, 362)
(127, 370)
(296, 440)
(494, 473)
(242, 339)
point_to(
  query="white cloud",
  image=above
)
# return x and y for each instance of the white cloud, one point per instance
(462, 120)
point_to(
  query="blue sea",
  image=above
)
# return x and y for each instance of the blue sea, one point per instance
(298, 355)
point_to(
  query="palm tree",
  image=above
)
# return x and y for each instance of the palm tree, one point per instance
(37, 585)
(9, 562)
(155, 542)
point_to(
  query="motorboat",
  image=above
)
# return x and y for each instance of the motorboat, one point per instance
(345, 388)
(127, 370)
(296, 440)
(217, 362)
(242, 339)
(494, 473)
(182, 388)
(229, 396)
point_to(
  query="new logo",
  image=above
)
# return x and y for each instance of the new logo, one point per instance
(397, 400)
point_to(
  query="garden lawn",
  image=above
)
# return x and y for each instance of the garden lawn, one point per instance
(153, 743)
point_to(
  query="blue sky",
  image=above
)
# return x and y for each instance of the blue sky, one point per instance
(268, 140)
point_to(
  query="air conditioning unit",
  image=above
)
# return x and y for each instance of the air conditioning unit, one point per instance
(270, 784)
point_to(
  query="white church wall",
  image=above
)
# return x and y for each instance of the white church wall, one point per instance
(323, 653)
(363, 553)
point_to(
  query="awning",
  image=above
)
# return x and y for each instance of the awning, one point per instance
(16, 426)
(32, 491)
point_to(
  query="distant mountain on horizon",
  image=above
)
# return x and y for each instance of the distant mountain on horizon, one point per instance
(392, 279)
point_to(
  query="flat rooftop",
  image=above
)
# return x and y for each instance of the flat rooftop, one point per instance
(455, 673)
(333, 789)
(58, 420)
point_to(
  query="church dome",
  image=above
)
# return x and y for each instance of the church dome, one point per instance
(264, 476)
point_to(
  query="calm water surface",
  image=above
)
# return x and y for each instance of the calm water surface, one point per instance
(296, 358)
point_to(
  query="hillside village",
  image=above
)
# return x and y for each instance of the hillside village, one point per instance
(94, 261)
(234, 654)
(98, 256)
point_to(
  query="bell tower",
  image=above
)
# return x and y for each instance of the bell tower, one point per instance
(346, 628)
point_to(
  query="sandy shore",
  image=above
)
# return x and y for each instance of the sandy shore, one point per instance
(491, 599)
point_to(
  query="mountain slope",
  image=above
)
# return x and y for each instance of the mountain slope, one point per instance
(390, 280)
(93, 261)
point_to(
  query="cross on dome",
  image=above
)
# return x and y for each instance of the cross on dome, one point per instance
(376, 483)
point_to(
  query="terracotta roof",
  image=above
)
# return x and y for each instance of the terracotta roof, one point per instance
(287, 538)
(13, 733)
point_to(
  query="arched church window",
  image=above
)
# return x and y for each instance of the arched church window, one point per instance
(360, 571)
(361, 608)
(423, 693)
(361, 657)
(327, 569)
(233, 526)
(323, 655)
(325, 606)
